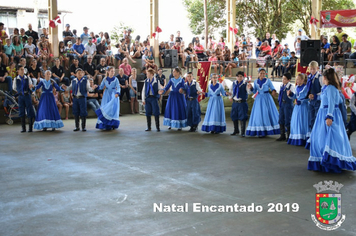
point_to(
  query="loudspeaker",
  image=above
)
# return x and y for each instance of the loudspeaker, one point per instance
(170, 58)
(310, 51)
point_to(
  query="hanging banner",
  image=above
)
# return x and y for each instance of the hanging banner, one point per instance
(338, 18)
(203, 75)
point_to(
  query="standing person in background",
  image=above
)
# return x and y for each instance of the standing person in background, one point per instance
(133, 91)
(79, 51)
(84, 37)
(32, 33)
(67, 35)
(300, 36)
(124, 85)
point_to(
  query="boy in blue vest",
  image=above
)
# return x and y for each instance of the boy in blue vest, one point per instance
(314, 85)
(150, 98)
(80, 87)
(239, 108)
(23, 86)
(285, 100)
(192, 90)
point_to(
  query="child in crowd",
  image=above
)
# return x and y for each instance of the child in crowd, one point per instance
(298, 46)
(11, 70)
(264, 114)
(9, 50)
(66, 99)
(23, 86)
(192, 90)
(276, 66)
(299, 122)
(133, 91)
(284, 62)
(150, 96)
(63, 55)
(214, 63)
(285, 100)
(30, 49)
(330, 149)
(231, 65)
(239, 93)
(214, 120)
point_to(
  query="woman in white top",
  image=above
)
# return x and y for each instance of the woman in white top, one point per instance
(133, 90)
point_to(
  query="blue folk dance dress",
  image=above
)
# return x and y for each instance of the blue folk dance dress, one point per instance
(330, 149)
(48, 115)
(109, 111)
(175, 114)
(214, 119)
(264, 115)
(299, 126)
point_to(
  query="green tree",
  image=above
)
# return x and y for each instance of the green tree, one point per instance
(216, 15)
(117, 32)
(302, 9)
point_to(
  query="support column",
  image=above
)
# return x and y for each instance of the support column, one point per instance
(53, 32)
(231, 22)
(153, 25)
(316, 8)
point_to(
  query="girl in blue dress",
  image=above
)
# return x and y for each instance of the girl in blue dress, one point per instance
(214, 120)
(47, 114)
(264, 115)
(175, 113)
(300, 122)
(109, 111)
(330, 149)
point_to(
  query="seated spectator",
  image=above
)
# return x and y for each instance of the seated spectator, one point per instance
(58, 73)
(79, 51)
(100, 71)
(125, 52)
(101, 51)
(211, 44)
(286, 49)
(226, 53)
(19, 52)
(344, 49)
(9, 51)
(11, 70)
(190, 55)
(334, 48)
(34, 72)
(292, 64)
(249, 47)
(4, 76)
(258, 46)
(214, 63)
(199, 50)
(101, 36)
(70, 52)
(325, 49)
(231, 65)
(277, 64)
(92, 97)
(45, 52)
(67, 101)
(84, 37)
(171, 41)
(179, 52)
(124, 84)
(219, 53)
(161, 56)
(108, 40)
(109, 55)
(45, 33)
(23, 64)
(277, 49)
(90, 69)
(284, 63)
(149, 60)
(264, 54)
(118, 55)
(136, 50)
(63, 54)
(92, 35)
(43, 68)
(90, 48)
(126, 67)
(74, 67)
(30, 49)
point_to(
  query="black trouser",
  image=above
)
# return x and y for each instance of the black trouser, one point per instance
(127, 91)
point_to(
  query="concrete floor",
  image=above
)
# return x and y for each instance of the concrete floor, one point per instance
(105, 183)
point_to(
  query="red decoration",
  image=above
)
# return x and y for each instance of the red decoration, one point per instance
(158, 30)
(154, 35)
(203, 75)
(313, 21)
(55, 22)
(338, 18)
(231, 29)
(236, 31)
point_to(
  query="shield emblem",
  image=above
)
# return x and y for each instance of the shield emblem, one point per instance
(327, 17)
(328, 208)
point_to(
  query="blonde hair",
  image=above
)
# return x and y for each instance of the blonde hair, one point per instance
(303, 77)
(314, 64)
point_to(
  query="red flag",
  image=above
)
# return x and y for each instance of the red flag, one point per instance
(236, 31)
(231, 29)
(158, 30)
(338, 18)
(302, 69)
(154, 35)
(203, 75)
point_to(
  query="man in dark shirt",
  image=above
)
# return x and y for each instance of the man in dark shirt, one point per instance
(4, 77)
(124, 84)
(74, 67)
(32, 33)
(101, 50)
(292, 64)
(161, 77)
(100, 70)
(58, 73)
(90, 70)
(67, 35)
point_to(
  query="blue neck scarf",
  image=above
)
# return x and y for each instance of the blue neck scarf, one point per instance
(110, 79)
(280, 95)
(261, 82)
(150, 87)
(214, 87)
(310, 81)
(188, 89)
(236, 89)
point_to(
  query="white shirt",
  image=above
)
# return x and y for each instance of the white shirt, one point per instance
(91, 49)
(78, 92)
(31, 48)
(231, 90)
(289, 86)
(194, 83)
(143, 93)
(14, 86)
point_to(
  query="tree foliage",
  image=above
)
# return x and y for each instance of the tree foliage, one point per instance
(216, 15)
(117, 32)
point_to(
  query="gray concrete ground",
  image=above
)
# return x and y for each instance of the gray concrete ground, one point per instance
(105, 183)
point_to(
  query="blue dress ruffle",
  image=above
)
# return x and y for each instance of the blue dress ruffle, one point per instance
(48, 115)
(214, 119)
(264, 115)
(330, 149)
(175, 113)
(109, 111)
(300, 121)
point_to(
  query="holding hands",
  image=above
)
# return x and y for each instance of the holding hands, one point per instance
(329, 122)
(181, 91)
(160, 92)
(311, 96)
(288, 92)
(249, 86)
